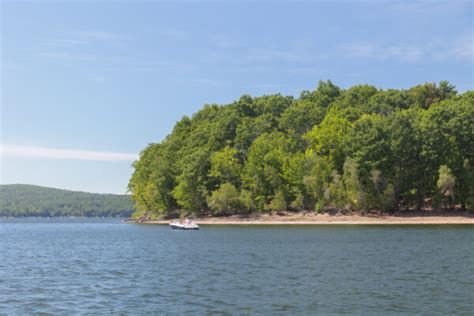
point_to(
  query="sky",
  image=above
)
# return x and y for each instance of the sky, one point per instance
(86, 85)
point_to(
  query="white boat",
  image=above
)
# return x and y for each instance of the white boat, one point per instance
(184, 225)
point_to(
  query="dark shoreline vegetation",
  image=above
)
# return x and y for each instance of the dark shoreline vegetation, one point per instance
(22, 200)
(359, 149)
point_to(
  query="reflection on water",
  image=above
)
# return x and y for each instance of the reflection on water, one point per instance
(104, 266)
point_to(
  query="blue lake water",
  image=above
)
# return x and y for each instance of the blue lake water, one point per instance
(65, 266)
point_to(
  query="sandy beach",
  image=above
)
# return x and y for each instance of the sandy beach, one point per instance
(327, 219)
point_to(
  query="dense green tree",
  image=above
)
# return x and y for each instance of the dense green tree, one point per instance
(446, 183)
(293, 172)
(225, 166)
(263, 173)
(385, 102)
(468, 187)
(191, 190)
(298, 202)
(251, 128)
(316, 179)
(426, 94)
(225, 200)
(380, 193)
(406, 147)
(354, 191)
(278, 203)
(300, 118)
(21, 200)
(336, 192)
(448, 139)
(246, 201)
(309, 110)
(328, 139)
(368, 143)
(143, 183)
(357, 149)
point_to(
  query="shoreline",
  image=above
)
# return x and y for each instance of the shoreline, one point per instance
(327, 219)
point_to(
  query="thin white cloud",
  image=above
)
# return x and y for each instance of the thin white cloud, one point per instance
(368, 50)
(69, 56)
(207, 82)
(11, 66)
(427, 6)
(8, 150)
(271, 55)
(98, 36)
(81, 46)
(225, 42)
(97, 78)
(307, 70)
(461, 48)
(73, 39)
(178, 35)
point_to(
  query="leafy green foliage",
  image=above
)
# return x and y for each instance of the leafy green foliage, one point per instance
(316, 179)
(225, 166)
(328, 139)
(381, 194)
(278, 203)
(336, 192)
(446, 182)
(298, 202)
(354, 191)
(225, 200)
(21, 200)
(357, 149)
(263, 174)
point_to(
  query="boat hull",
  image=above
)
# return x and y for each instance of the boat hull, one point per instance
(184, 227)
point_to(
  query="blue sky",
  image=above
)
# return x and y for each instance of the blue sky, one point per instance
(86, 85)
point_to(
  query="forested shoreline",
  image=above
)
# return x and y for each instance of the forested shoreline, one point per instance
(22, 200)
(356, 149)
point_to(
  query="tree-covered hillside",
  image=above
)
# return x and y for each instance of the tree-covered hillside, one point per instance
(357, 149)
(29, 200)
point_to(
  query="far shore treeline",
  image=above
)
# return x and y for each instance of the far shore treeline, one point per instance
(22, 200)
(358, 149)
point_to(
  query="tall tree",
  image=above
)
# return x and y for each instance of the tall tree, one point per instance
(356, 149)
(225, 166)
(328, 139)
(446, 183)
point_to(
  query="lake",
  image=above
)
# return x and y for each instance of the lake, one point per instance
(102, 266)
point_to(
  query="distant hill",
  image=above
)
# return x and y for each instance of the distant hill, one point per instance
(21, 200)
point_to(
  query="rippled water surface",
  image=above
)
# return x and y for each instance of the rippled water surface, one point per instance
(106, 267)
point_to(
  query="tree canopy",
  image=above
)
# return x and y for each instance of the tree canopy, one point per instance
(355, 149)
(21, 200)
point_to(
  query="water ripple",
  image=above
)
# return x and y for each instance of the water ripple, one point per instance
(104, 267)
